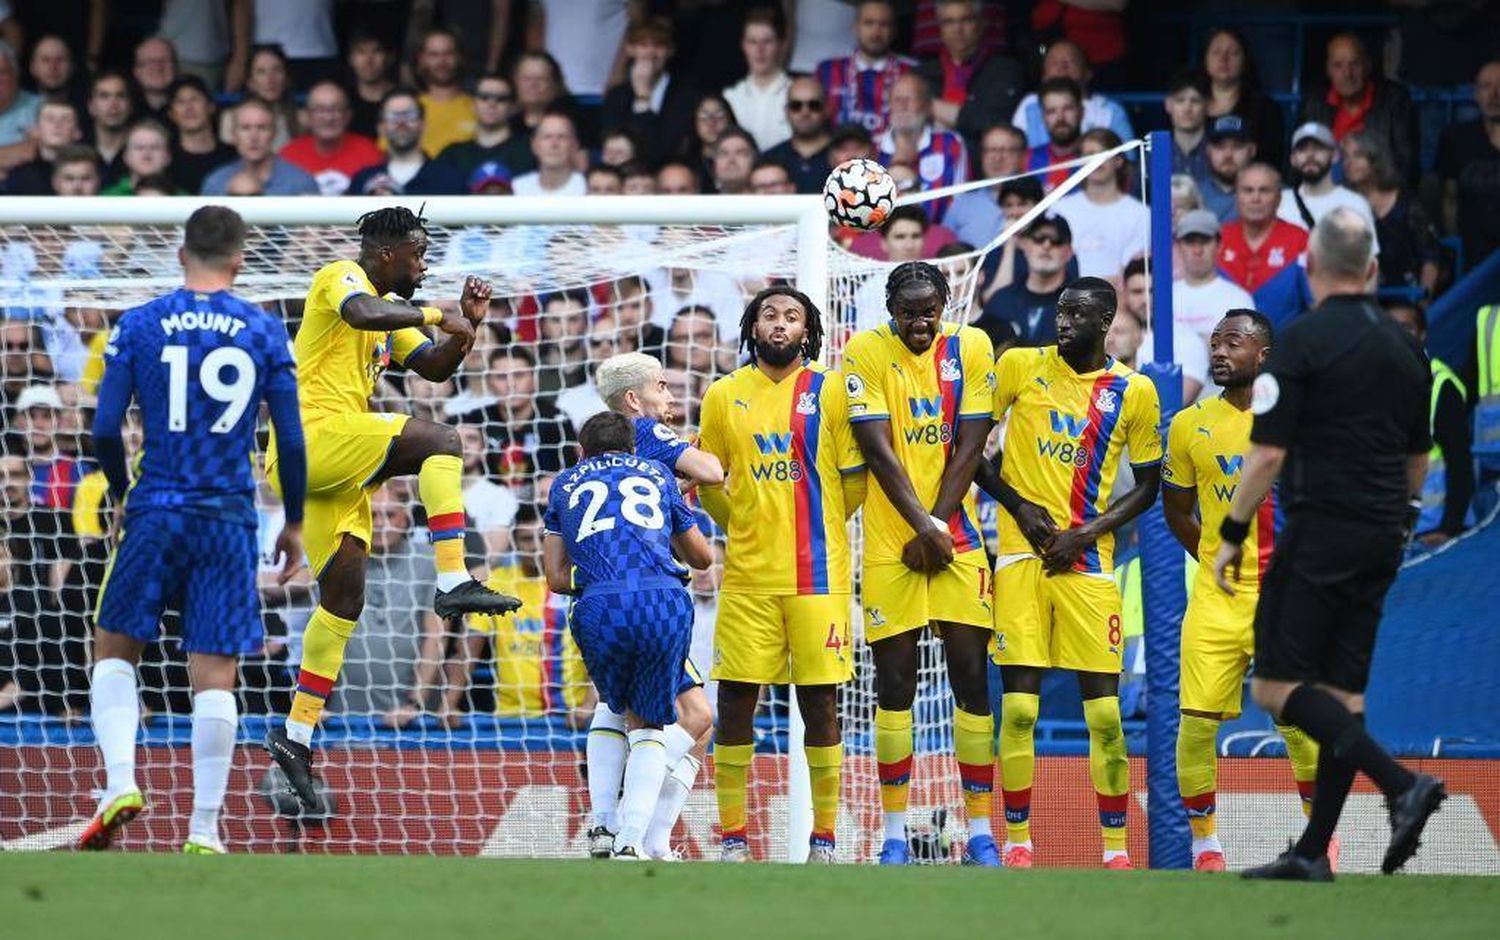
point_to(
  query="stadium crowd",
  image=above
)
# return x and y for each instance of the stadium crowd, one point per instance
(606, 97)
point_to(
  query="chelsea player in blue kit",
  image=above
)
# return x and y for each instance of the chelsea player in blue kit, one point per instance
(197, 362)
(613, 522)
(635, 385)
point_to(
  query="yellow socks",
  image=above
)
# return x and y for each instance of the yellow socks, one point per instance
(1018, 711)
(1109, 768)
(824, 765)
(893, 758)
(974, 746)
(731, 768)
(440, 484)
(1198, 772)
(323, 643)
(1302, 751)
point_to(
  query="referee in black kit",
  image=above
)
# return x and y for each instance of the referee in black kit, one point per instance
(1341, 414)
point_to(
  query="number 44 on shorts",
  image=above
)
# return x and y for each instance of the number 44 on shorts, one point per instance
(838, 640)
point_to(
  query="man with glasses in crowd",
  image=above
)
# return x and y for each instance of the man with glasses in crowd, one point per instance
(805, 154)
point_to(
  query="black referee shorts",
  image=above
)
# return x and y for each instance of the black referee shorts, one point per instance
(1322, 598)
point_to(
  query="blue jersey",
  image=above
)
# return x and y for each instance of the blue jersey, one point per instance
(617, 513)
(198, 365)
(656, 441)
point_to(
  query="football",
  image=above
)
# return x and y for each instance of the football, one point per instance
(859, 193)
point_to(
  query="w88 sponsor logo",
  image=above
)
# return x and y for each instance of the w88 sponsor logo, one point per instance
(1064, 452)
(932, 434)
(779, 471)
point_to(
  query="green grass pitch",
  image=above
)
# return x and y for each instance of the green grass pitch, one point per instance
(122, 897)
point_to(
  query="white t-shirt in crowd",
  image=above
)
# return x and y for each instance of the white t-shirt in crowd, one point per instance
(530, 184)
(712, 289)
(1189, 350)
(761, 111)
(825, 30)
(580, 403)
(489, 504)
(1320, 206)
(583, 36)
(1105, 235)
(303, 28)
(1200, 308)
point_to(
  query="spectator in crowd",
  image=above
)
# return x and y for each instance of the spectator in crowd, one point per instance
(56, 128)
(268, 84)
(1061, 103)
(1468, 162)
(148, 152)
(588, 60)
(111, 111)
(491, 179)
(927, 28)
(245, 182)
(54, 472)
(694, 343)
(155, 69)
(640, 319)
(407, 170)
(972, 88)
(157, 184)
(212, 40)
(639, 180)
(1234, 89)
(1004, 267)
(1097, 29)
(491, 506)
(734, 155)
(522, 432)
(562, 354)
(76, 172)
(604, 180)
(658, 104)
(607, 338)
(393, 661)
(850, 141)
(23, 362)
(769, 178)
(759, 100)
(53, 76)
(1065, 59)
(196, 149)
(539, 89)
(1125, 341)
(369, 64)
(1188, 351)
(302, 31)
(1201, 295)
(1315, 193)
(1409, 251)
(494, 141)
(938, 156)
(554, 143)
(1025, 312)
(1230, 149)
(1259, 244)
(619, 146)
(858, 86)
(678, 178)
(1185, 198)
(1109, 225)
(805, 153)
(1186, 105)
(329, 151)
(957, 262)
(18, 109)
(977, 216)
(1357, 98)
(712, 117)
(448, 109)
(253, 128)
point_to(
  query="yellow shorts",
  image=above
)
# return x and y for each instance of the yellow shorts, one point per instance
(1064, 621)
(771, 639)
(1218, 639)
(897, 599)
(343, 453)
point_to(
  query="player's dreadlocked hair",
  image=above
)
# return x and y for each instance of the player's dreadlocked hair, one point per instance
(812, 343)
(385, 228)
(915, 272)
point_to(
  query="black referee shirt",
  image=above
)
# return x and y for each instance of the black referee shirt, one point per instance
(1346, 392)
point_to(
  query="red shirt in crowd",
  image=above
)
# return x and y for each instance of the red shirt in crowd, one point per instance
(335, 170)
(1252, 268)
(1346, 122)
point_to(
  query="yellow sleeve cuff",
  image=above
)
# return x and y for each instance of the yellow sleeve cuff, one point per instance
(431, 316)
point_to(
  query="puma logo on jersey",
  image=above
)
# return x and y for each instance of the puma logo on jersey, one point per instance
(1206, 433)
(1042, 382)
(743, 404)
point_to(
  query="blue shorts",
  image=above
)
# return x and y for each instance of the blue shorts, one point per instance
(634, 646)
(203, 567)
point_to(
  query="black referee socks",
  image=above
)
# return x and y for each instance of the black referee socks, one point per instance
(1333, 726)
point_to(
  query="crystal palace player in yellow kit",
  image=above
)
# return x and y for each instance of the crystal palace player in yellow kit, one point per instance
(1073, 412)
(357, 320)
(1205, 450)
(920, 399)
(779, 427)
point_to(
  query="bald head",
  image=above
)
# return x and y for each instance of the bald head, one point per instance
(1340, 253)
(1348, 65)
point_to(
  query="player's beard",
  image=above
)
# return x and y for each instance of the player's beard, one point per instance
(777, 356)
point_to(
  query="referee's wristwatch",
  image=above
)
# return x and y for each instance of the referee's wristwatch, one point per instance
(1232, 531)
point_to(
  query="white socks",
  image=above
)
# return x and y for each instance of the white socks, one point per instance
(605, 753)
(669, 803)
(644, 772)
(980, 826)
(215, 723)
(448, 580)
(895, 826)
(115, 711)
(299, 731)
(1210, 844)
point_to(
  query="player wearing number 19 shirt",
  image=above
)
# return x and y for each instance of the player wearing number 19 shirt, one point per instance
(197, 362)
(1073, 413)
(613, 522)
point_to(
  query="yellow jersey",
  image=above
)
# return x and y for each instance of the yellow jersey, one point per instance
(338, 365)
(1205, 450)
(1064, 439)
(538, 668)
(784, 447)
(923, 397)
